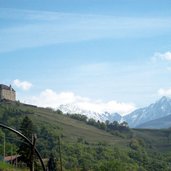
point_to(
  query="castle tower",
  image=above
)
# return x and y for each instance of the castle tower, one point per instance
(7, 93)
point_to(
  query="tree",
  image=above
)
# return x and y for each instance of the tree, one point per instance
(27, 129)
(92, 121)
(115, 165)
(52, 164)
(113, 126)
(124, 124)
(59, 112)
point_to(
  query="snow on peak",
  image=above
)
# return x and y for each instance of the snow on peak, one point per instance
(154, 111)
(74, 109)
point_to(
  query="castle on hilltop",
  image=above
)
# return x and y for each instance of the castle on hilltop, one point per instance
(7, 93)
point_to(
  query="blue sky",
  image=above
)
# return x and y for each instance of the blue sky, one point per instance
(110, 53)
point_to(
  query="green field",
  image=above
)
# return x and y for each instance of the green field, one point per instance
(7, 167)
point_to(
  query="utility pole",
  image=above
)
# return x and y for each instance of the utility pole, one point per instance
(34, 137)
(60, 155)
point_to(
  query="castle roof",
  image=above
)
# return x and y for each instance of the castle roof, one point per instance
(2, 86)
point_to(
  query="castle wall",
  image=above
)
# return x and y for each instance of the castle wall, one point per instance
(7, 94)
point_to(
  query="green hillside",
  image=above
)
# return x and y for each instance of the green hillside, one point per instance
(59, 124)
(88, 147)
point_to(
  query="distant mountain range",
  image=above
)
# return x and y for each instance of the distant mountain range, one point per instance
(156, 115)
(73, 109)
(154, 111)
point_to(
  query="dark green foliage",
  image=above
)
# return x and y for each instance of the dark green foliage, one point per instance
(116, 126)
(107, 126)
(92, 122)
(47, 140)
(78, 117)
(24, 150)
(27, 127)
(59, 112)
(111, 166)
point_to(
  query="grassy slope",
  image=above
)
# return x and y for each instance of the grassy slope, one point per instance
(156, 139)
(73, 129)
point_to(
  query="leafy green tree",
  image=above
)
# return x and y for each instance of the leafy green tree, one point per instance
(59, 112)
(79, 117)
(92, 121)
(111, 166)
(124, 124)
(27, 127)
(24, 150)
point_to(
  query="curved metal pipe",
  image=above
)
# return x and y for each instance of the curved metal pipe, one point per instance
(21, 135)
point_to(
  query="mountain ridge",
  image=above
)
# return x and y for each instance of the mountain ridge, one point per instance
(159, 109)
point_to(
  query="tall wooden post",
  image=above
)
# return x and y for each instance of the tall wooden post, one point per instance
(34, 137)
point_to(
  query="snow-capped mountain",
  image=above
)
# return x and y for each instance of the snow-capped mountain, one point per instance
(154, 111)
(73, 109)
(160, 109)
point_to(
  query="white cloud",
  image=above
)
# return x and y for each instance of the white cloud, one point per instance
(164, 92)
(49, 98)
(110, 106)
(163, 56)
(24, 85)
